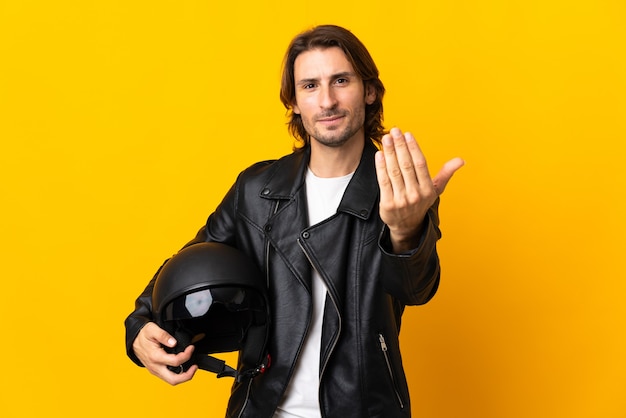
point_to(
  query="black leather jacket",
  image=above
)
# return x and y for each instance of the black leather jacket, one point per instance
(265, 215)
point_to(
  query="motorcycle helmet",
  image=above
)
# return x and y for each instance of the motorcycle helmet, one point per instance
(214, 297)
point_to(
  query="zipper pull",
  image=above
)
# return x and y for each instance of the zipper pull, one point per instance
(383, 344)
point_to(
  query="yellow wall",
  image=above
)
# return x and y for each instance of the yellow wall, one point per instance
(122, 124)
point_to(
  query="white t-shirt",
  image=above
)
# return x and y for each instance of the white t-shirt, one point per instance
(302, 397)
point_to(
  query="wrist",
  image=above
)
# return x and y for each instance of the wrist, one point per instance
(405, 241)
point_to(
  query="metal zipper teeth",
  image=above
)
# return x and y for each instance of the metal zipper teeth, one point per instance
(383, 346)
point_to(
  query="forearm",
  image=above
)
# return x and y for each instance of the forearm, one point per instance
(138, 319)
(143, 306)
(219, 227)
(413, 275)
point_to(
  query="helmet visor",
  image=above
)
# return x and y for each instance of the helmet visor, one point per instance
(217, 318)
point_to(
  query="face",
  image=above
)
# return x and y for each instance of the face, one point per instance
(330, 97)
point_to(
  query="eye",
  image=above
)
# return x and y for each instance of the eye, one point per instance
(341, 81)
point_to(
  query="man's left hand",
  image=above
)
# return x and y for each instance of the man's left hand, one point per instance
(406, 189)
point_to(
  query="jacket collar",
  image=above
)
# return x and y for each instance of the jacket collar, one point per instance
(360, 197)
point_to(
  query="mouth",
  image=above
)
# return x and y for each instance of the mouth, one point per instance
(330, 120)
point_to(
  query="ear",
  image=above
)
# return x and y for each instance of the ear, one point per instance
(370, 94)
(295, 109)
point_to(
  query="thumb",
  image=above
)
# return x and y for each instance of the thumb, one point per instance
(167, 340)
(440, 181)
(161, 336)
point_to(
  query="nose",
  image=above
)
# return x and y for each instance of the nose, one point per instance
(327, 98)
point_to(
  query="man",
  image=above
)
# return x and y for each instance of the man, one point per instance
(346, 236)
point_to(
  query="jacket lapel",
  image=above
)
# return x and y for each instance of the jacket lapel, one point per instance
(328, 247)
(289, 218)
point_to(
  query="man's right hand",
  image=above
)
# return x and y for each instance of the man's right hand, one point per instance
(148, 349)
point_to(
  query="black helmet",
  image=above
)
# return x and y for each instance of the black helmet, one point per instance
(214, 297)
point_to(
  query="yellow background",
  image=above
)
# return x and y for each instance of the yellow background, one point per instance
(123, 123)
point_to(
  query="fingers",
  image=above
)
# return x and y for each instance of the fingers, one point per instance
(148, 347)
(159, 335)
(406, 189)
(440, 181)
(175, 378)
(405, 169)
(401, 159)
(384, 183)
(419, 161)
(161, 360)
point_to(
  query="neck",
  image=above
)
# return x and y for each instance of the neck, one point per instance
(335, 161)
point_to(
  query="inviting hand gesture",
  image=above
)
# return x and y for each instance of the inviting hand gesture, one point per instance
(406, 189)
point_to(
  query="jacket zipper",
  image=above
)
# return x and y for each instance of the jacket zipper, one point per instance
(267, 282)
(383, 346)
(336, 339)
(245, 402)
(332, 347)
(267, 251)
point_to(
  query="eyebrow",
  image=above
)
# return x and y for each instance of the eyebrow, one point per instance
(333, 77)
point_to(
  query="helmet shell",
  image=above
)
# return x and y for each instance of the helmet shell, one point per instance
(229, 290)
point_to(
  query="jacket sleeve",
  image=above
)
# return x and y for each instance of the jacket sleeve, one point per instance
(413, 277)
(219, 227)
(138, 319)
(143, 306)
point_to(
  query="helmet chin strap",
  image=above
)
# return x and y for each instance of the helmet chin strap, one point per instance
(212, 364)
(222, 369)
(215, 365)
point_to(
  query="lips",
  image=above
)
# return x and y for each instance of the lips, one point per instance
(330, 119)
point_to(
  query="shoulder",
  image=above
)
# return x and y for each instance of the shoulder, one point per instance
(262, 172)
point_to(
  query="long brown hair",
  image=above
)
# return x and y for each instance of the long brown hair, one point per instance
(327, 36)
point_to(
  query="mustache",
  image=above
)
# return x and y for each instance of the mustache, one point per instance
(331, 114)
